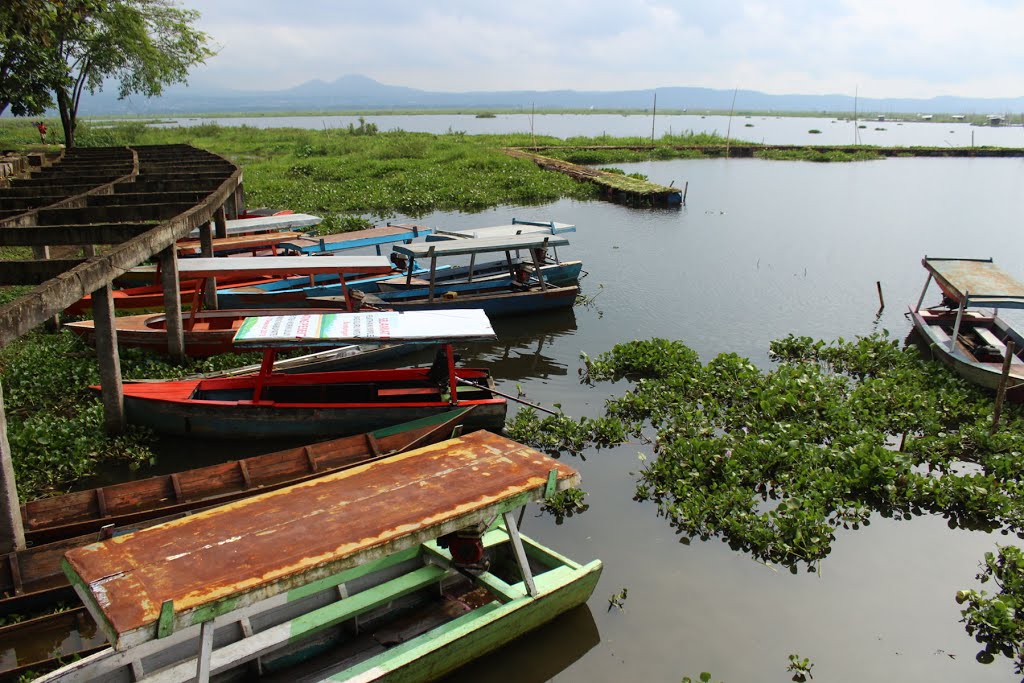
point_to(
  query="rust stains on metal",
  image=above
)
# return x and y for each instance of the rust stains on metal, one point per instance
(261, 546)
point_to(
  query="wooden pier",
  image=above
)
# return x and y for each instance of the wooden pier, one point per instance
(620, 188)
(89, 216)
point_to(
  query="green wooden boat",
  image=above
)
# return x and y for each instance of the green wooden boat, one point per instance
(404, 569)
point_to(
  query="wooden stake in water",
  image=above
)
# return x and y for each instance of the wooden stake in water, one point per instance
(728, 128)
(654, 114)
(881, 299)
(1001, 391)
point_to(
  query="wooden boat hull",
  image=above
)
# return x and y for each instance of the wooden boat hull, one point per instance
(312, 405)
(51, 519)
(984, 373)
(495, 304)
(311, 625)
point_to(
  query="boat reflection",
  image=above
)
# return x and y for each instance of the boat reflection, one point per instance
(540, 655)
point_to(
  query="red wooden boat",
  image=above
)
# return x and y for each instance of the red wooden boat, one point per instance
(324, 404)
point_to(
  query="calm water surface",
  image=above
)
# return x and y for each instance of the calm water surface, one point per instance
(773, 130)
(762, 250)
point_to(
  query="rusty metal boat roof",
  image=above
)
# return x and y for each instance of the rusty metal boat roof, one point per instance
(980, 281)
(332, 329)
(232, 556)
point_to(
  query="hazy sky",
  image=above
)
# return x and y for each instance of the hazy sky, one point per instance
(886, 48)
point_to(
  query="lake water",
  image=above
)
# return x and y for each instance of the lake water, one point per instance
(772, 130)
(763, 249)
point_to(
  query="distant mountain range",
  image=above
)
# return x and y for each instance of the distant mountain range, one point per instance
(356, 92)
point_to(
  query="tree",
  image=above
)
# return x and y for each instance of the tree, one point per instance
(27, 56)
(142, 44)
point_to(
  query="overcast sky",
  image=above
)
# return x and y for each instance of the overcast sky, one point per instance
(885, 48)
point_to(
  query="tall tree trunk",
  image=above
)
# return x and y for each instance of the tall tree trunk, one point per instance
(67, 117)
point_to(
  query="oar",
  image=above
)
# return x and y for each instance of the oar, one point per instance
(509, 397)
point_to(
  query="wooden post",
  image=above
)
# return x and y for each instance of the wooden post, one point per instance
(12, 531)
(206, 249)
(205, 652)
(172, 302)
(109, 360)
(881, 299)
(520, 554)
(240, 199)
(433, 272)
(41, 252)
(686, 188)
(221, 219)
(1001, 391)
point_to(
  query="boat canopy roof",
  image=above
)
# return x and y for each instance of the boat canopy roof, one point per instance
(283, 265)
(981, 281)
(331, 329)
(175, 575)
(291, 221)
(382, 234)
(516, 228)
(480, 245)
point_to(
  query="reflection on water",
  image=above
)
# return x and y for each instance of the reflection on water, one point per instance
(539, 655)
(762, 250)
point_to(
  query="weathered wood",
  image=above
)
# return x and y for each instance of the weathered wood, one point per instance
(403, 501)
(221, 221)
(96, 233)
(172, 303)
(35, 272)
(12, 533)
(109, 361)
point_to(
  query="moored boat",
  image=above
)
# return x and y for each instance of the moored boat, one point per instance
(51, 519)
(323, 404)
(403, 569)
(965, 330)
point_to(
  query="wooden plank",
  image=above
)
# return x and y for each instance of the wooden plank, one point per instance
(264, 642)
(301, 533)
(96, 233)
(480, 246)
(283, 265)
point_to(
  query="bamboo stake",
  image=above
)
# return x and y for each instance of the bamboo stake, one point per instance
(1001, 391)
(460, 380)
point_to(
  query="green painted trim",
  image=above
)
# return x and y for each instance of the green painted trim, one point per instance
(87, 598)
(501, 590)
(365, 601)
(213, 610)
(353, 573)
(438, 419)
(165, 625)
(552, 485)
(445, 648)
(546, 555)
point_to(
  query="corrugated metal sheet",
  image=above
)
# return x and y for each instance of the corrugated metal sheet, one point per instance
(256, 548)
(983, 282)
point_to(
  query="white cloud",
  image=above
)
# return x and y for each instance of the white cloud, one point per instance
(907, 49)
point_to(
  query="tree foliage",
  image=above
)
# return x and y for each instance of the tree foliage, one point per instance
(70, 47)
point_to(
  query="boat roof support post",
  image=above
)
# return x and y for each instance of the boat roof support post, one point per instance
(433, 272)
(205, 652)
(520, 554)
(172, 302)
(12, 531)
(345, 293)
(924, 291)
(536, 263)
(266, 367)
(472, 265)
(408, 275)
(206, 249)
(956, 325)
(511, 267)
(453, 380)
(112, 390)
